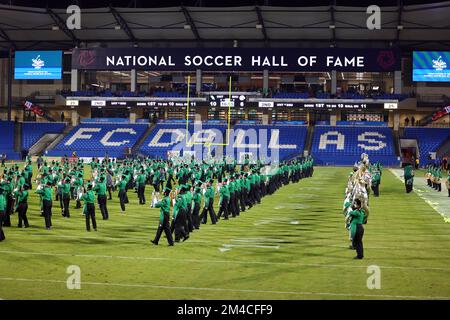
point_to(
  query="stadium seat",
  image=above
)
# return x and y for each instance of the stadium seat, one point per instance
(33, 131)
(7, 140)
(291, 95)
(94, 140)
(429, 139)
(282, 141)
(341, 145)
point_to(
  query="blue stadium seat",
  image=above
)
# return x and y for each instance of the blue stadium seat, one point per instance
(429, 139)
(164, 94)
(33, 131)
(7, 140)
(94, 140)
(291, 95)
(341, 145)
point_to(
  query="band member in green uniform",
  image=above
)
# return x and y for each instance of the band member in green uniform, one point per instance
(21, 196)
(100, 189)
(448, 182)
(89, 208)
(376, 180)
(123, 192)
(223, 200)
(179, 217)
(47, 201)
(141, 179)
(197, 198)
(209, 204)
(409, 178)
(65, 193)
(164, 218)
(2, 212)
(356, 217)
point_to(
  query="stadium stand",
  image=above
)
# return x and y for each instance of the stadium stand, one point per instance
(341, 145)
(94, 140)
(429, 139)
(7, 140)
(287, 140)
(166, 135)
(33, 131)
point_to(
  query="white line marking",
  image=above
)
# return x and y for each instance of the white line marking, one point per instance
(93, 256)
(343, 294)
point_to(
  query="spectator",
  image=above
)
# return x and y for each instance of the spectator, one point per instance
(62, 117)
(413, 121)
(406, 121)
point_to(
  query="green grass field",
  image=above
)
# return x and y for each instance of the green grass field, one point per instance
(292, 246)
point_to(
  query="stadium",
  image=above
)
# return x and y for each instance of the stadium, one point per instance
(186, 150)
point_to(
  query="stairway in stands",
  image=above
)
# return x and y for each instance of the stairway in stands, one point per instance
(137, 146)
(444, 149)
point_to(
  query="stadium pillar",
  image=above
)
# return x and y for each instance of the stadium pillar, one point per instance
(74, 80)
(397, 82)
(10, 75)
(198, 81)
(133, 80)
(132, 117)
(333, 82)
(333, 119)
(396, 121)
(75, 118)
(265, 81)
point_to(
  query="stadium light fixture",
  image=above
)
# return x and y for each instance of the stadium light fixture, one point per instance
(187, 26)
(55, 28)
(332, 26)
(117, 27)
(399, 27)
(259, 26)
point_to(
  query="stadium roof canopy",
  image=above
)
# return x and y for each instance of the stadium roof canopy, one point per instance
(410, 26)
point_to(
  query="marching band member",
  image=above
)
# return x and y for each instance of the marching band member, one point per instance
(209, 204)
(100, 189)
(356, 218)
(197, 198)
(223, 200)
(65, 195)
(89, 208)
(22, 205)
(408, 174)
(2, 212)
(140, 183)
(164, 218)
(447, 183)
(47, 201)
(122, 184)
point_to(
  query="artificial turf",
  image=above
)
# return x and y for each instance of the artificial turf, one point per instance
(291, 246)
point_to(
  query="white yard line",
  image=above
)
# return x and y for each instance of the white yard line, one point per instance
(300, 293)
(94, 256)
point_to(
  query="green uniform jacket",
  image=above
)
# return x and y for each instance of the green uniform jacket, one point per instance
(164, 208)
(209, 194)
(198, 196)
(65, 188)
(46, 193)
(87, 197)
(2, 203)
(100, 188)
(224, 193)
(357, 218)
